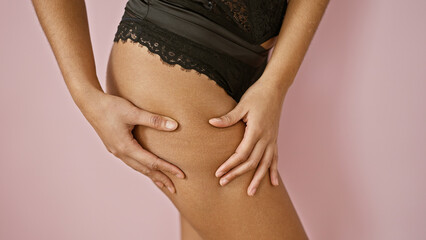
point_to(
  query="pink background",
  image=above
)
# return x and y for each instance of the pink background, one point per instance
(352, 135)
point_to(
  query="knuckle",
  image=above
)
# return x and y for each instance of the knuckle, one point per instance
(239, 157)
(158, 183)
(139, 168)
(145, 171)
(167, 183)
(266, 159)
(157, 178)
(227, 118)
(269, 163)
(155, 120)
(252, 164)
(155, 164)
(231, 176)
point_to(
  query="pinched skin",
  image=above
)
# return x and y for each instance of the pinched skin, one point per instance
(208, 210)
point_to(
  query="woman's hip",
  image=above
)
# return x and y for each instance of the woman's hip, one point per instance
(188, 97)
(197, 147)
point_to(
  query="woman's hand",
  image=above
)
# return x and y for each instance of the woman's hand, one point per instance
(114, 118)
(260, 108)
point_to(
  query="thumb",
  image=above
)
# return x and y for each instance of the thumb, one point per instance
(228, 119)
(154, 120)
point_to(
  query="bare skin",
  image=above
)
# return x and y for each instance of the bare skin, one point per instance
(66, 27)
(196, 147)
(260, 106)
(130, 118)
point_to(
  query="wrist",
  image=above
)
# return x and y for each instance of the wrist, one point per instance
(278, 86)
(279, 75)
(85, 97)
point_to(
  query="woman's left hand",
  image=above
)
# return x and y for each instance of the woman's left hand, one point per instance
(260, 108)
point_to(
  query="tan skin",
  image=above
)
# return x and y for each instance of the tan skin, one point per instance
(198, 148)
(115, 113)
(264, 99)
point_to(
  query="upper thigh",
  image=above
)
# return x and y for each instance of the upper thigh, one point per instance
(197, 147)
(188, 97)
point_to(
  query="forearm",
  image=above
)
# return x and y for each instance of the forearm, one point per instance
(300, 23)
(65, 25)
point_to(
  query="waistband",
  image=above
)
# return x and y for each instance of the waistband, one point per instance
(194, 26)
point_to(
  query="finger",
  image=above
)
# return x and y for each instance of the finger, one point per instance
(159, 184)
(261, 170)
(136, 166)
(141, 117)
(248, 165)
(152, 161)
(158, 176)
(241, 153)
(273, 170)
(230, 118)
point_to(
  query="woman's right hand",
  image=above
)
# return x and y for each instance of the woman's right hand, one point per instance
(114, 118)
(111, 116)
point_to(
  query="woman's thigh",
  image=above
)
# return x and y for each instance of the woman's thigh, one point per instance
(199, 148)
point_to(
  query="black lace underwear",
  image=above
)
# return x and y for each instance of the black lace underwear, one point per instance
(234, 70)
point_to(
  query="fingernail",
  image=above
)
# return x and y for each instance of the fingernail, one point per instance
(223, 181)
(214, 120)
(218, 174)
(276, 183)
(170, 124)
(170, 189)
(179, 175)
(252, 191)
(159, 184)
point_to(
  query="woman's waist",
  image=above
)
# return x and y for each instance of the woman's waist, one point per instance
(197, 28)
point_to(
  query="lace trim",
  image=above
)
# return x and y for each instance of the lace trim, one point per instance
(168, 56)
(174, 49)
